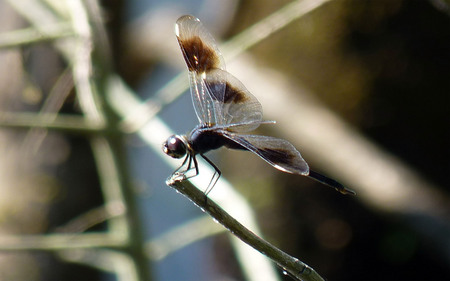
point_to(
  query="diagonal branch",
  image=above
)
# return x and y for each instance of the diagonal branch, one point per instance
(289, 264)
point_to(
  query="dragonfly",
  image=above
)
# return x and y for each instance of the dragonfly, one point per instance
(226, 111)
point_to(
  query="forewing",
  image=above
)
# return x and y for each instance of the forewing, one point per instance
(202, 56)
(279, 153)
(236, 108)
(204, 105)
(198, 45)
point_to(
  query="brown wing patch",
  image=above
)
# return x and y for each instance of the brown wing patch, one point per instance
(234, 95)
(278, 156)
(199, 57)
(231, 94)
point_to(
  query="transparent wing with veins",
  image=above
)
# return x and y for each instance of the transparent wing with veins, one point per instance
(218, 97)
(279, 153)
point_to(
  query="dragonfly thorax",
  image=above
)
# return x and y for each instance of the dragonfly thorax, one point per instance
(203, 139)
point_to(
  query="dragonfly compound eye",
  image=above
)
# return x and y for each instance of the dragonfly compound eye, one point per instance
(174, 146)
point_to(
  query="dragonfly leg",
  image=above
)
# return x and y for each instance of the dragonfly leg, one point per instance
(177, 171)
(189, 167)
(214, 178)
(180, 173)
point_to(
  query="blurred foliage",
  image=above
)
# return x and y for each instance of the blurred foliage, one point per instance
(383, 65)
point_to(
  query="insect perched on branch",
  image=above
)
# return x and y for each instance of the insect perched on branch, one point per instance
(225, 110)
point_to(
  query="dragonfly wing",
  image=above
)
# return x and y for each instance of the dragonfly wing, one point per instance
(204, 105)
(218, 97)
(236, 108)
(201, 55)
(199, 48)
(279, 153)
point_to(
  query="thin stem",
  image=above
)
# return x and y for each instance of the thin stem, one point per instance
(181, 236)
(291, 265)
(61, 241)
(28, 36)
(93, 217)
(108, 149)
(82, 64)
(110, 177)
(119, 263)
(268, 25)
(54, 121)
(53, 103)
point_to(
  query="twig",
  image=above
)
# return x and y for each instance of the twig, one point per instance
(289, 264)
(178, 237)
(53, 103)
(28, 36)
(269, 25)
(82, 64)
(112, 181)
(107, 148)
(119, 263)
(55, 121)
(61, 241)
(124, 101)
(92, 218)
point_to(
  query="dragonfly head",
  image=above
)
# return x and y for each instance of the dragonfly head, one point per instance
(175, 146)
